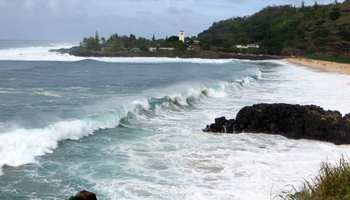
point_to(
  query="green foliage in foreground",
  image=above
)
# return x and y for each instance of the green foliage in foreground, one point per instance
(332, 183)
(330, 58)
(74, 198)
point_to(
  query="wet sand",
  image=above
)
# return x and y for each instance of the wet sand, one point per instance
(318, 65)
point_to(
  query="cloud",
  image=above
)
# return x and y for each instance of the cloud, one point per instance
(176, 11)
(54, 8)
(173, 10)
(187, 10)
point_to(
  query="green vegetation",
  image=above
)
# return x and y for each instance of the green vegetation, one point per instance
(335, 14)
(74, 198)
(332, 183)
(345, 33)
(283, 30)
(332, 58)
(117, 45)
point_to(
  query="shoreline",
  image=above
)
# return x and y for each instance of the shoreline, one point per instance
(319, 65)
(74, 51)
(314, 65)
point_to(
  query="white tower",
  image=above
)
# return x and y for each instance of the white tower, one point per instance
(182, 36)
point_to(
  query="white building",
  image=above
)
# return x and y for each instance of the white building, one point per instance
(152, 49)
(135, 49)
(253, 46)
(166, 48)
(182, 36)
(249, 46)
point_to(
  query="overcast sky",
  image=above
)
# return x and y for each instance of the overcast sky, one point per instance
(74, 19)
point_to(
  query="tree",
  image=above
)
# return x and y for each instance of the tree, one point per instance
(132, 38)
(103, 40)
(97, 38)
(142, 46)
(180, 46)
(173, 39)
(153, 38)
(206, 46)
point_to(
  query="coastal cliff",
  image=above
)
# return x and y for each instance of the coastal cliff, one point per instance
(291, 121)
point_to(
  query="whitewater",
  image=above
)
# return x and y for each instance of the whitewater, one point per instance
(131, 128)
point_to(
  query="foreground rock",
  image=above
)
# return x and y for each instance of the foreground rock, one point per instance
(84, 195)
(292, 121)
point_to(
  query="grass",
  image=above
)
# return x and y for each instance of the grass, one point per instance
(331, 58)
(332, 183)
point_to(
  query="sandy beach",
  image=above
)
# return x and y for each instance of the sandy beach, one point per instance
(321, 65)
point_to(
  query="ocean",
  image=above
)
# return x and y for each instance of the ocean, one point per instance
(131, 128)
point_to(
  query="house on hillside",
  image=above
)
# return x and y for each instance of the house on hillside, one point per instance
(136, 49)
(239, 46)
(253, 46)
(166, 48)
(249, 46)
(152, 49)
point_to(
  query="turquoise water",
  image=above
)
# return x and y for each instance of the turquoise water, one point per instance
(130, 128)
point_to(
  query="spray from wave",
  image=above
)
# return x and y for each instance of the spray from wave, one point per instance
(42, 53)
(22, 146)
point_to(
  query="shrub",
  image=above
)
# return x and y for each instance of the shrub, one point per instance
(74, 198)
(301, 46)
(310, 50)
(290, 43)
(333, 182)
(322, 41)
(345, 33)
(320, 22)
(335, 14)
(320, 32)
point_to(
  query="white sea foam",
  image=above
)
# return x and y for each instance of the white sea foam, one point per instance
(298, 85)
(21, 146)
(210, 166)
(181, 162)
(162, 60)
(42, 53)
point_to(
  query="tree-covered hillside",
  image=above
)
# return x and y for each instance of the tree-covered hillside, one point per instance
(285, 30)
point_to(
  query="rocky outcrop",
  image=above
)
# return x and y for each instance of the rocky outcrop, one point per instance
(292, 121)
(84, 195)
